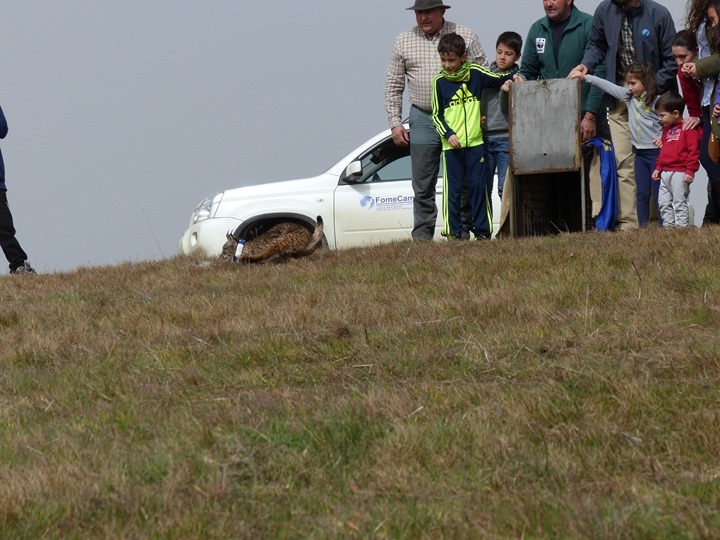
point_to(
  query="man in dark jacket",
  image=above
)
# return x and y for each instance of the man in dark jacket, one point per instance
(623, 32)
(10, 246)
(554, 46)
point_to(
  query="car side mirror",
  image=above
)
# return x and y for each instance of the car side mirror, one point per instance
(353, 172)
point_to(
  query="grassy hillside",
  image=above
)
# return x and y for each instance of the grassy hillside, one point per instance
(545, 387)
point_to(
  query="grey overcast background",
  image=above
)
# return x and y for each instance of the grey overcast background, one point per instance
(124, 115)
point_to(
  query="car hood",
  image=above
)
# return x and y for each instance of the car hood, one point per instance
(314, 184)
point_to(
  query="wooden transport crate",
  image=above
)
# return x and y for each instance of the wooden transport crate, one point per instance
(550, 185)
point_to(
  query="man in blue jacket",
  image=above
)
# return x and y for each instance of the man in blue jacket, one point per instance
(10, 246)
(623, 32)
(554, 46)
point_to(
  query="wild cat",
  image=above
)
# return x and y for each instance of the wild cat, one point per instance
(280, 242)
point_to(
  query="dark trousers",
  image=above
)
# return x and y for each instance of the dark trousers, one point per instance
(647, 188)
(460, 165)
(425, 164)
(712, 211)
(10, 246)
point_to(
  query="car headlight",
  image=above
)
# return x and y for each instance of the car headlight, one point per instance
(207, 208)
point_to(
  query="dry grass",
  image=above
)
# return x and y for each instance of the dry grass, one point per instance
(546, 387)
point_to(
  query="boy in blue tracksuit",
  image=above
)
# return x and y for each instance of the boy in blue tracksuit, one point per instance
(457, 115)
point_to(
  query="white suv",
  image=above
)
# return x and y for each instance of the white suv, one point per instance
(365, 198)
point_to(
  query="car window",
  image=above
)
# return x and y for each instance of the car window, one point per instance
(386, 163)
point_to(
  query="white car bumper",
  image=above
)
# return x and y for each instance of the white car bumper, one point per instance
(206, 238)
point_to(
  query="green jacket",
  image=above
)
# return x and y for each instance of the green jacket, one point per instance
(538, 60)
(456, 106)
(708, 67)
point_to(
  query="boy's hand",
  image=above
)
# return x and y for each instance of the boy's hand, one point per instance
(506, 85)
(689, 178)
(454, 141)
(716, 111)
(691, 122)
(656, 175)
(657, 142)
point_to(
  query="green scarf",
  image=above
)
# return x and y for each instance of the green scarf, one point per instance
(461, 75)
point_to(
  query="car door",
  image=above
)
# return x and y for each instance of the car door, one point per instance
(375, 204)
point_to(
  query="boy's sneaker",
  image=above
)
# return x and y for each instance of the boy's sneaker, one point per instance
(24, 269)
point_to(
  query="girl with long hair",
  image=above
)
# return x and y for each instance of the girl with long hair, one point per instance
(640, 95)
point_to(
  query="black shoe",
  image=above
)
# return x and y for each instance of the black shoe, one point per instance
(24, 269)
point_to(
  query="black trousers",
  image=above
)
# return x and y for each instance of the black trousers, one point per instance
(10, 246)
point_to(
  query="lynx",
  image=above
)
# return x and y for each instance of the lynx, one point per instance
(279, 243)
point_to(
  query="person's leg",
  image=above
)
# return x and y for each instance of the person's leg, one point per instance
(502, 162)
(479, 191)
(425, 152)
(680, 191)
(712, 169)
(665, 200)
(644, 188)
(453, 162)
(714, 201)
(650, 159)
(425, 168)
(654, 200)
(14, 254)
(618, 120)
(490, 161)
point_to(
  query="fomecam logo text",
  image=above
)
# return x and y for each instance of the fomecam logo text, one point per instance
(391, 200)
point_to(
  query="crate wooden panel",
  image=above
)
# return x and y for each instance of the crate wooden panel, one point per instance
(545, 126)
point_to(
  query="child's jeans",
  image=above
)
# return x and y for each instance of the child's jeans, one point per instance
(497, 155)
(673, 199)
(645, 160)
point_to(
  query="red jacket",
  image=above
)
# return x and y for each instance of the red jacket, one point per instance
(691, 91)
(680, 150)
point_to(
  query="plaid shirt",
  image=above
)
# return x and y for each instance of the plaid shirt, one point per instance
(626, 50)
(415, 57)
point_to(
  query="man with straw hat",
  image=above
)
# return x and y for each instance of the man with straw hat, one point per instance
(415, 60)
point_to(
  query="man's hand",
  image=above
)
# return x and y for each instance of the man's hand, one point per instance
(691, 122)
(689, 70)
(588, 126)
(454, 141)
(578, 72)
(400, 135)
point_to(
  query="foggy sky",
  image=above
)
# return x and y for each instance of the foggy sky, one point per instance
(124, 115)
